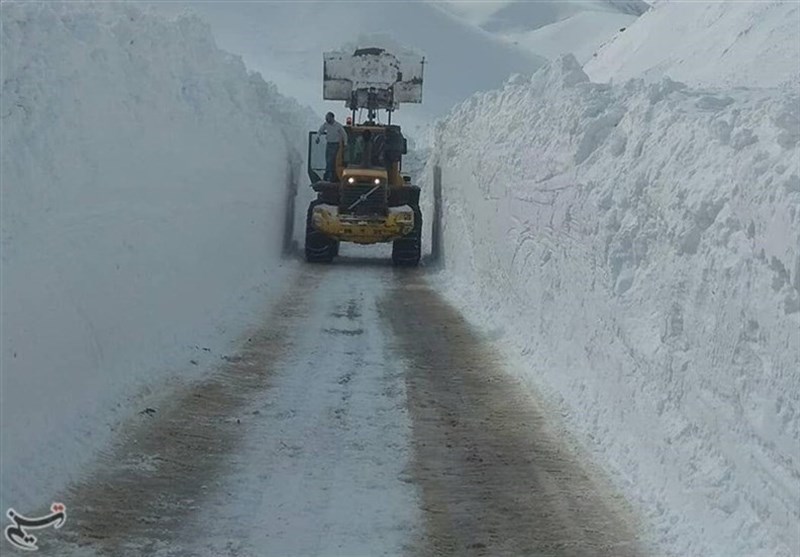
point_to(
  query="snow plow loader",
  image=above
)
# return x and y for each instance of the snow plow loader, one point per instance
(368, 200)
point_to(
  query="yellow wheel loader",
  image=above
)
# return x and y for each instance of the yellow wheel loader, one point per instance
(369, 200)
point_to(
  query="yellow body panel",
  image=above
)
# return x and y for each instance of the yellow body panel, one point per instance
(364, 174)
(363, 230)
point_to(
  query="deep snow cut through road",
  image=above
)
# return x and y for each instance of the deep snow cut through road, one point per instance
(365, 417)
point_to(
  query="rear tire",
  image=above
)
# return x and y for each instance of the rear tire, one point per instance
(319, 248)
(407, 251)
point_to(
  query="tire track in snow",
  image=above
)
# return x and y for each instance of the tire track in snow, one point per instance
(324, 469)
(373, 366)
(495, 481)
(145, 489)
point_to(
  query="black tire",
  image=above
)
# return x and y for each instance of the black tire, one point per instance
(407, 251)
(319, 248)
(336, 248)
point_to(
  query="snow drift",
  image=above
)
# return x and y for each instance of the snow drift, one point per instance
(144, 183)
(644, 241)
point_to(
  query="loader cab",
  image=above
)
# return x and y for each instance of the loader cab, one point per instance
(365, 148)
(373, 147)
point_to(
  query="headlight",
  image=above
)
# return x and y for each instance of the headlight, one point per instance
(351, 180)
(377, 181)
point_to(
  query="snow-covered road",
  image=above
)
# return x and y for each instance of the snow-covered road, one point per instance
(363, 418)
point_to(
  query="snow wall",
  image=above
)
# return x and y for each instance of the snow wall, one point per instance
(639, 247)
(145, 177)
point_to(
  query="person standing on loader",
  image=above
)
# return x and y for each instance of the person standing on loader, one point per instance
(334, 133)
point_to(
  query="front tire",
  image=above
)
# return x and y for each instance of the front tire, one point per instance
(319, 248)
(407, 251)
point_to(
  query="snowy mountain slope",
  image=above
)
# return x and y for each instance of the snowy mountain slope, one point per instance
(550, 29)
(581, 35)
(521, 16)
(144, 181)
(637, 246)
(709, 44)
(286, 41)
(474, 13)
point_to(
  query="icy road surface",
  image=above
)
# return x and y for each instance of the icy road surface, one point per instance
(363, 418)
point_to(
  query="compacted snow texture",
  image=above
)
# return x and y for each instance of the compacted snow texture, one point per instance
(638, 245)
(144, 184)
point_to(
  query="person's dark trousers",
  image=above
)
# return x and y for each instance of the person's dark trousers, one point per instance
(330, 161)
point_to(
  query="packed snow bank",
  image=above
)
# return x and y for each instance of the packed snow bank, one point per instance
(731, 44)
(639, 245)
(144, 184)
